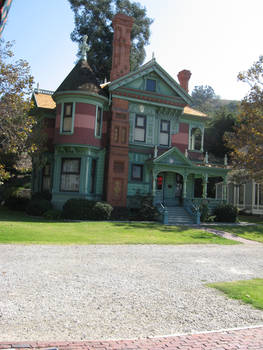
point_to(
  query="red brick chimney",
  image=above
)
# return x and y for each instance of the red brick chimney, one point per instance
(183, 78)
(122, 26)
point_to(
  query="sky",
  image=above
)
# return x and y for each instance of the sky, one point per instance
(214, 39)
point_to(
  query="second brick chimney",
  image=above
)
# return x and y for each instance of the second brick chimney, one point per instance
(122, 26)
(183, 78)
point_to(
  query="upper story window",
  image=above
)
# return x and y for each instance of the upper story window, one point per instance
(196, 139)
(140, 128)
(98, 126)
(137, 172)
(70, 175)
(151, 85)
(164, 133)
(67, 125)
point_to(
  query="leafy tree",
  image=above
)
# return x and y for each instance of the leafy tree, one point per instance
(15, 124)
(94, 18)
(203, 97)
(222, 122)
(247, 140)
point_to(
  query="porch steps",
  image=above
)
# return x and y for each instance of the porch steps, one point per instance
(179, 216)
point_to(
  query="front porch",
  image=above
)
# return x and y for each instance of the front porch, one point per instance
(179, 182)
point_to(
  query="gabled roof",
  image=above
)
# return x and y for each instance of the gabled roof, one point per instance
(191, 111)
(81, 78)
(173, 156)
(151, 66)
(43, 99)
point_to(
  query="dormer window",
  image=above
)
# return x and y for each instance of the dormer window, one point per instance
(151, 85)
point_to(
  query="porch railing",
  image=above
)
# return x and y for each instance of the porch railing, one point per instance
(164, 213)
(192, 209)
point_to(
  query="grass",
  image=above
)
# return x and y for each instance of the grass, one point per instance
(254, 219)
(250, 291)
(16, 227)
(253, 232)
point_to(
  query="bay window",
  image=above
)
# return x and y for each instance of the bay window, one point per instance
(70, 175)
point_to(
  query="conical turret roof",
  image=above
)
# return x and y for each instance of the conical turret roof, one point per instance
(81, 78)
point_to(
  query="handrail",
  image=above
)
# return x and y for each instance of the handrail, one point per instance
(164, 213)
(192, 209)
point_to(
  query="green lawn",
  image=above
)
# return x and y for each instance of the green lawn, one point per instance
(16, 227)
(251, 218)
(250, 291)
(253, 232)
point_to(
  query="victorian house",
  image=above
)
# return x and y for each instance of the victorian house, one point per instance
(135, 135)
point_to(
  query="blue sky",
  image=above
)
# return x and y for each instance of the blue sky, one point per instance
(214, 39)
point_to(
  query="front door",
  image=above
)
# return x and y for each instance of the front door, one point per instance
(173, 186)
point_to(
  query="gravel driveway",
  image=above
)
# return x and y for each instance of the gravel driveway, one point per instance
(109, 292)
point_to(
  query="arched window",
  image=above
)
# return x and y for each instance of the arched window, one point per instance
(196, 139)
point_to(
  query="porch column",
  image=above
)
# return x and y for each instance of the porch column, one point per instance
(154, 186)
(224, 194)
(205, 180)
(184, 186)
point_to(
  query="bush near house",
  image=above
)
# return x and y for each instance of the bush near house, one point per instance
(37, 207)
(84, 209)
(225, 213)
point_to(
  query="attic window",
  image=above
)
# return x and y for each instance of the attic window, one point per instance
(151, 85)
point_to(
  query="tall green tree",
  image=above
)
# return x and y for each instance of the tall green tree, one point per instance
(16, 125)
(222, 122)
(203, 97)
(247, 139)
(94, 18)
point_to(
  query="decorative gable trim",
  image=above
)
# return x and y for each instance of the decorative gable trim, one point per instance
(169, 153)
(146, 69)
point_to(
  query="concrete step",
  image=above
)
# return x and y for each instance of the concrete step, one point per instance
(178, 215)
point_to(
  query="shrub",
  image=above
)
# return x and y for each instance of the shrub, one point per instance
(42, 195)
(204, 211)
(225, 213)
(101, 211)
(16, 203)
(38, 207)
(120, 213)
(78, 209)
(147, 212)
(52, 214)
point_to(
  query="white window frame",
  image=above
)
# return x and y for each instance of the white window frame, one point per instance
(72, 119)
(168, 133)
(101, 122)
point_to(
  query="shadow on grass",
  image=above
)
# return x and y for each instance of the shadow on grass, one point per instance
(17, 216)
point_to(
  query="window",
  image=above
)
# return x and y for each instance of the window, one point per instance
(93, 175)
(140, 128)
(67, 117)
(196, 139)
(258, 194)
(241, 194)
(151, 85)
(98, 126)
(137, 172)
(70, 175)
(164, 133)
(46, 178)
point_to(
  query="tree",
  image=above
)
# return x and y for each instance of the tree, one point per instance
(203, 97)
(247, 139)
(94, 17)
(15, 124)
(222, 122)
